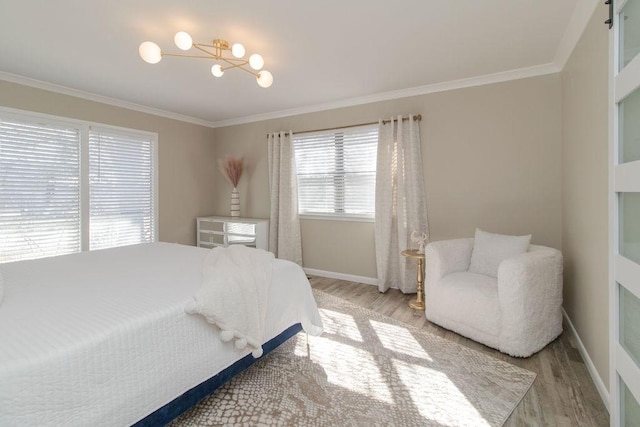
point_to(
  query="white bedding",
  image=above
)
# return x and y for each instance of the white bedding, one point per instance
(101, 338)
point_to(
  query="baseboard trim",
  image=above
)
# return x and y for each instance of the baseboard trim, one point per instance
(342, 276)
(602, 389)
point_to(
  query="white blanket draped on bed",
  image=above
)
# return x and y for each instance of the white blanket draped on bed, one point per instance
(233, 295)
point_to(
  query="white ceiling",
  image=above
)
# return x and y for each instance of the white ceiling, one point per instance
(321, 53)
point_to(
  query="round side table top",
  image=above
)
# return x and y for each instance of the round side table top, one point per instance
(413, 253)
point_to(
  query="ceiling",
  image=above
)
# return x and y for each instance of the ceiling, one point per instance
(321, 53)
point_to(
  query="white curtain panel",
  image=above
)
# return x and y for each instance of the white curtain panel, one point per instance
(401, 205)
(284, 224)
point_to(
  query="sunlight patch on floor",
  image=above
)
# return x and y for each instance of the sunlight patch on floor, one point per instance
(399, 339)
(302, 348)
(421, 381)
(337, 323)
(352, 368)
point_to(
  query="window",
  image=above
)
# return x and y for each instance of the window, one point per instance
(39, 189)
(336, 172)
(121, 202)
(55, 200)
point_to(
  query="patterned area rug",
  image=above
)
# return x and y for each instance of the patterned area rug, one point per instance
(366, 370)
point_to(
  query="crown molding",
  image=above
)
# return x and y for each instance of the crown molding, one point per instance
(64, 90)
(503, 76)
(581, 15)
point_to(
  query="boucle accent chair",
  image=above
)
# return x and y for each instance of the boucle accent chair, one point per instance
(517, 312)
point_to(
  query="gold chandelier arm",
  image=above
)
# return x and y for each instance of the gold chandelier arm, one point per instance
(202, 49)
(184, 55)
(239, 66)
(212, 46)
(238, 62)
(233, 62)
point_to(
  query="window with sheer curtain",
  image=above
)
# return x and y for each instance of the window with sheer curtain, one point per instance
(336, 172)
(55, 200)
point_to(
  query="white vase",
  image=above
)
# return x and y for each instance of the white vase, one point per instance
(235, 203)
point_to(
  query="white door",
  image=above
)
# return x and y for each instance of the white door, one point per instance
(624, 317)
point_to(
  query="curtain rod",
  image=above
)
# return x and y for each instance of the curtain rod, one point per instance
(417, 117)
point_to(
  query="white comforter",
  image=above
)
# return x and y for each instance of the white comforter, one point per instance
(101, 338)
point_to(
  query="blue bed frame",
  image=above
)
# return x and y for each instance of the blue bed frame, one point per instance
(191, 398)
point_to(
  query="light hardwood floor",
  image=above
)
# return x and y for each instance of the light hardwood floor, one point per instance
(563, 393)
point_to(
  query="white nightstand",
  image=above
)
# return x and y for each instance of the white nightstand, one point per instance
(215, 231)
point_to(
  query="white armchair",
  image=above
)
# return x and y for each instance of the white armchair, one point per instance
(518, 313)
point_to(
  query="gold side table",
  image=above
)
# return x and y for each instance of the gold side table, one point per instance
(417, 303)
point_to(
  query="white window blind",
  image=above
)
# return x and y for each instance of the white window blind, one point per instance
(39, 189)
(121, 188)
(336, 171)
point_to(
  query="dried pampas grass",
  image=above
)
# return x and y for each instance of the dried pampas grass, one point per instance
(231, 168)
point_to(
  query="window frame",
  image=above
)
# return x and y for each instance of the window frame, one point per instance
(338, 140)
(84, 128)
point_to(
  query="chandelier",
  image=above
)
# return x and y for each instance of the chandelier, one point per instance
(218, 50)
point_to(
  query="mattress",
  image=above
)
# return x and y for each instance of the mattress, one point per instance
(101, 338)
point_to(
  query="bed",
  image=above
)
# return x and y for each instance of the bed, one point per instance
(102, 337)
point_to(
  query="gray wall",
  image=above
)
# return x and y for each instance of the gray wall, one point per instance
(584, 186)
(491, 158)
(185, 153)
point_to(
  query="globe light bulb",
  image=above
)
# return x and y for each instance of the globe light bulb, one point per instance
(265, 79)
(150, 52)
(183, 40)
(217, 70)
(256, 62)
(237, 50)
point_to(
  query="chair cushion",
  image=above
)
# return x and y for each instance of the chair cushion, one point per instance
(472, 305)
(490, 249)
